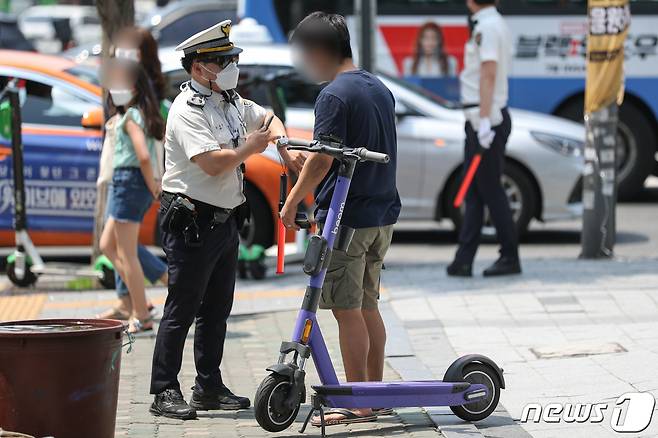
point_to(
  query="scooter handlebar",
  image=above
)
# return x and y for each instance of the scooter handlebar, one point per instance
(299, 142)
(316, 146)
(367, 155)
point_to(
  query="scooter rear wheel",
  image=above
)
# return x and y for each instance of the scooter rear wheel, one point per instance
(29, 278)
(270, 408)
(481, 409)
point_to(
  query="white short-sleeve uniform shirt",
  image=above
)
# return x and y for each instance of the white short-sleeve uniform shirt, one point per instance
(193, 130)
(491, 40)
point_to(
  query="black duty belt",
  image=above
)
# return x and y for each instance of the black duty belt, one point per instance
(204, 211)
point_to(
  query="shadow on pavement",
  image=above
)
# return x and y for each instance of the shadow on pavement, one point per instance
(544, 273)
(533, 237)
(385, 426)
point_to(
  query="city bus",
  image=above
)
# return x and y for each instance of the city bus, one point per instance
(548, 68)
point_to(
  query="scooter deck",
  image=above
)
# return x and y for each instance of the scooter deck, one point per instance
(66, 269)
(400, 394)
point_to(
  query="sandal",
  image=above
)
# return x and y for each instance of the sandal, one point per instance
(114, 313)
(122, 315)
(349, 417)
(381, 412)
(137, 326)
(153, 310)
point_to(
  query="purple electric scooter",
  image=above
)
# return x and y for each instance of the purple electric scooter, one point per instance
(471, 385)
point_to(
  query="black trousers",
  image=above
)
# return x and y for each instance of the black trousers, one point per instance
(201, 287)
(487, 190)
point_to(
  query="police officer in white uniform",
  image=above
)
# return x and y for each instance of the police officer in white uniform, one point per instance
(488, 125)
(210, 132)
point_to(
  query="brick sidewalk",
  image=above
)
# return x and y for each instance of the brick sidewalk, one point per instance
(252, 345)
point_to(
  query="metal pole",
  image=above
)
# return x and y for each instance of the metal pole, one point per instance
(600, 183)
(608, 22)
(20, 216)
(367, 12)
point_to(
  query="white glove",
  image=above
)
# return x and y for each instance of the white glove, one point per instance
(485, 134)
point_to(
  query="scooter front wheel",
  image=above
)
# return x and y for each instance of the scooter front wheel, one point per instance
(479, 410)
(271, 410)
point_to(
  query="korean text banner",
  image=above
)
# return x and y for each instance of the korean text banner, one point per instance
(608, 26)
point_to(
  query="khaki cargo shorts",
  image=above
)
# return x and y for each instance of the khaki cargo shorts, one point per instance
(352, 280)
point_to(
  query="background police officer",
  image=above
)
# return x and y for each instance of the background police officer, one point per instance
(488, 125)
(210, 132)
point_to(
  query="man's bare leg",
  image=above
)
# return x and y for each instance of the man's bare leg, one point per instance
(354, 346)
(377, 339)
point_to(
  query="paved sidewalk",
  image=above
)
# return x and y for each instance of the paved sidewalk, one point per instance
(566, 331)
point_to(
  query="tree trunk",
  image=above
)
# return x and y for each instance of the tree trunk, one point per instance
(114, 15)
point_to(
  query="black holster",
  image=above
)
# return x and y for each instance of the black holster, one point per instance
(242, 214)
(175, 217)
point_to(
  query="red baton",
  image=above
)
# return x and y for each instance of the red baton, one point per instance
(468, 179)
(281, 247)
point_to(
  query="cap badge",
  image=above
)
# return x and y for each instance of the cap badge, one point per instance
(226, 29)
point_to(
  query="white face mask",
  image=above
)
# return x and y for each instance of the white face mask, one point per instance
(227, 79)
(128, 54)
(121, 96)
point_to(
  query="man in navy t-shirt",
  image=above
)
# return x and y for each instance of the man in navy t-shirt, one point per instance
(357, 108)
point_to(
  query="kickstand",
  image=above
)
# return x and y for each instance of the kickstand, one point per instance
(316, 405)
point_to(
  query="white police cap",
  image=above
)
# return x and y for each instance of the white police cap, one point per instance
(215, 40)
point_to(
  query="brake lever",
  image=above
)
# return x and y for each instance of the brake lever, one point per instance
(302, 221)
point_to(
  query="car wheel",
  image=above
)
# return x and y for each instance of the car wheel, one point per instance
(260, 228)
(521, 195)
(636, 146)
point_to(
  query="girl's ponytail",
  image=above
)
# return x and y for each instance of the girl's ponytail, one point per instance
(148, 103)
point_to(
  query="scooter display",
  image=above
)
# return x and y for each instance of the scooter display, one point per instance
(471, 385)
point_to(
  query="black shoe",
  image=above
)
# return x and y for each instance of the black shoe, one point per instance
(170, 403)
(503, 266)
(222, 398)
(456, 269)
